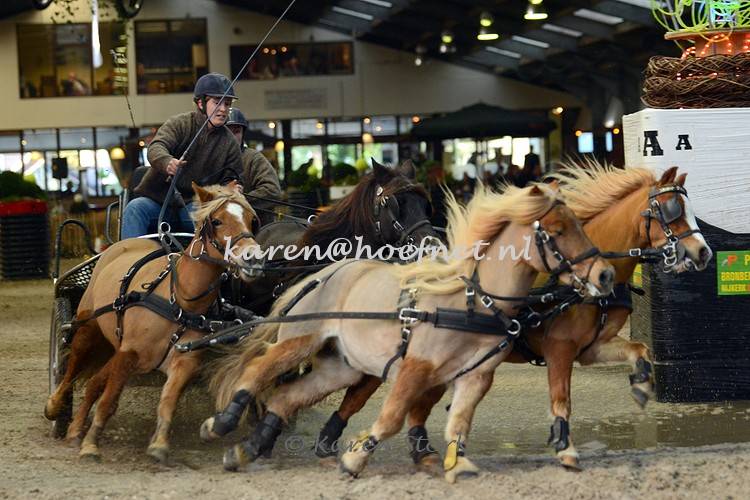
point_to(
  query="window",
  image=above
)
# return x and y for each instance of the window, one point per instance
(586, 142)
(293, 59)
(180, 59)
(56, 60)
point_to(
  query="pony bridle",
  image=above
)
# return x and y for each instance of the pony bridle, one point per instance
(546, 243)
(665, 214)
(208, 233)
(389, 206)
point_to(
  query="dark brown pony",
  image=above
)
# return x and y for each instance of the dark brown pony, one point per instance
(387, 207)
(610, 202)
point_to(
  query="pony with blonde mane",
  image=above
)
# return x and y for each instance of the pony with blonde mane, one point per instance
(342, 351)
(611, 203)
(142, 340)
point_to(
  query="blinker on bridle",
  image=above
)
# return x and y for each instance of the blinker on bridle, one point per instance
(385, 203)
(546, 242)
(665, 214)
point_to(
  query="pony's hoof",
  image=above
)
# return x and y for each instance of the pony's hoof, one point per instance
(347, 470)
(50, 412)
(464, 468)
(89, 453)
(430, 462)
(206, 433)
(158, 453)
(353, 462)
(569, 460)
(640, 396)
(234, 458)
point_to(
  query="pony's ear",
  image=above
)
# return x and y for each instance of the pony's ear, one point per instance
(536, 191)
(407, 169)
(382, 174)
(681, 179)
(668, 176)
(203, 195)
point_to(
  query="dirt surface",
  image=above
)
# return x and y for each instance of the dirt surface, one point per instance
(668, 451)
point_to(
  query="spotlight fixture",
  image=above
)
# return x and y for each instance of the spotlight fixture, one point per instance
(487, 34)
(486, 19)
(419, 59)
(535, 12)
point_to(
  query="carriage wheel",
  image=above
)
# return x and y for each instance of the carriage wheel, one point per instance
(128, 8)
(58, 360)
(41, 4)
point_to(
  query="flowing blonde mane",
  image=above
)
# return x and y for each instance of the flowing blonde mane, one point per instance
(483, 219)
(220, 194)
(592, 187)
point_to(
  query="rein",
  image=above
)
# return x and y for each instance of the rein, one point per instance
(496, 324)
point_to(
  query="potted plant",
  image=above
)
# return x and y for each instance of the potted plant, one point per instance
(303, 189)
(344, 179)
(24, 229)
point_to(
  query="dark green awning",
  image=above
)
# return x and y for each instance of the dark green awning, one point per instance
(480, 121)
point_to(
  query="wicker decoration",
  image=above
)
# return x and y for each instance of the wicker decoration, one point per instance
(719, 81)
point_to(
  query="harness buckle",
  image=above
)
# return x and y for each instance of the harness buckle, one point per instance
(548, 297)
(635, 252)
(487, 301)
(470, 292)
(117, 304)
(515, 328)
(536, 318)
(409, 320)
(215, 325)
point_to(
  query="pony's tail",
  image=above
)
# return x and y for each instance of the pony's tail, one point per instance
(227, 369)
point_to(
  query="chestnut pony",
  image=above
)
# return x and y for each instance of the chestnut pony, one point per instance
(622, 209)
(343, 350)
(143, 340)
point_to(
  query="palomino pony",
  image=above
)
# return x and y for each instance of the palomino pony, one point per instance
(387, 207)
(180, 288)
(625, 211)
(428, 353)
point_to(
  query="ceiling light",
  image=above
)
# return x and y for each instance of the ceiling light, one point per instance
(319, 125)
(379, 3)
(558, 110)
(447, 37)
(367, 138)
(367, 120)
(487, 34)
(562, 30)
(415, 119)
(486, 19)
(598, 17)
(271, 125)
(535, 12)
(352, 13)
(530, 41)
(503, 52)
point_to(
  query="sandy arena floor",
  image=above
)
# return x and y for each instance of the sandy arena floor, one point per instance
(667, 451)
